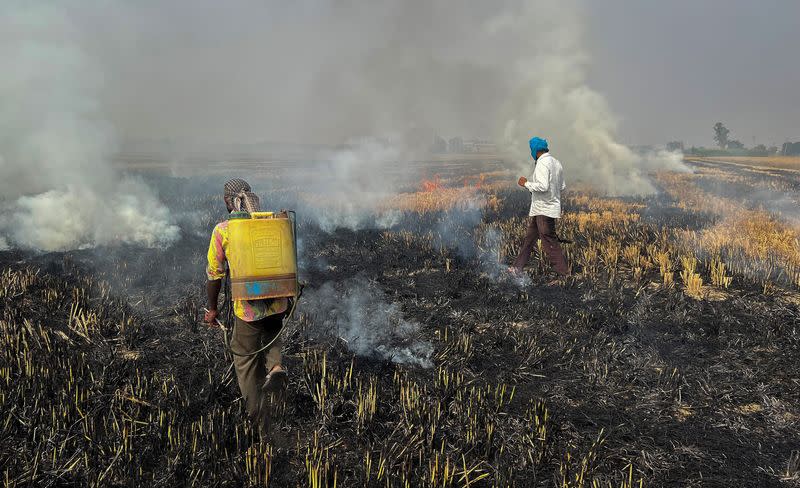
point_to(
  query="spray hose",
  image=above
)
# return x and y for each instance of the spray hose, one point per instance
(227, 342)
(229, 300)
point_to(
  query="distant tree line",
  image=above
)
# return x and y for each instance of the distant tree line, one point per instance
(790, 149)
(733, 147)
(457, 145)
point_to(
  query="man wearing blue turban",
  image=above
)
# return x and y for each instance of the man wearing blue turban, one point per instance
(545, 185)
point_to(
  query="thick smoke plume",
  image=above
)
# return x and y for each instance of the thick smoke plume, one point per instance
(58, 188)
(388, 74)
(357, 312)
(332, 72)
(353, 182)
(551, 97)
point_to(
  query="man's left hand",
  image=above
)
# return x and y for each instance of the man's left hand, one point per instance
(522, 180)
(211, 317)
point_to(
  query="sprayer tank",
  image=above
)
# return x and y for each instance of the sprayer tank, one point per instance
(261, 256)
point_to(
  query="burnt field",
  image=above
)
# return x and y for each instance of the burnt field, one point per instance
(671, 357)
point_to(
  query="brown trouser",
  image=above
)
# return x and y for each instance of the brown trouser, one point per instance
(251, 371)
(542, 227)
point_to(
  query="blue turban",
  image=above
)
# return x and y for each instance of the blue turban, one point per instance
(537, 144)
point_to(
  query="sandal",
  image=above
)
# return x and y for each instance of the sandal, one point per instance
(276, 381)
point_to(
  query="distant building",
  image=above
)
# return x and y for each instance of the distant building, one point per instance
(455, 145)
(439, 145)
(419, 138)
(479, 146)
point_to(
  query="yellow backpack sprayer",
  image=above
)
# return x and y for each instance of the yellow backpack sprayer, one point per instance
(262, 262)
(262, 255)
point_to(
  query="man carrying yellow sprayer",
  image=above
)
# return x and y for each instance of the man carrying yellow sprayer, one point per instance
(256, 342)
(545, 186)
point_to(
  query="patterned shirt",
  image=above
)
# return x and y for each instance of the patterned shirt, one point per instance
(247, 310)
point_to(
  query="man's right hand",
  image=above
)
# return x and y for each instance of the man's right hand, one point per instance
(211, 317)
(522, 180)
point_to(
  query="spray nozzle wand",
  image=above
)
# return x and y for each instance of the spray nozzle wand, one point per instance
(219, 324)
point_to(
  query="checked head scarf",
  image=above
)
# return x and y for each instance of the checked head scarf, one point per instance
(241, 195)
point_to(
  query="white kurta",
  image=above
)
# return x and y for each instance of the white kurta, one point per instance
(546, 186)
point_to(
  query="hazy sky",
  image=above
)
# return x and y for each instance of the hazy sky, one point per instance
(251, 69)
(671, 69)
(79, 77)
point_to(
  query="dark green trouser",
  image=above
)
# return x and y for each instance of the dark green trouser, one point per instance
(251, 371)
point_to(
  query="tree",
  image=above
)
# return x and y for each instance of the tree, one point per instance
(734, 144)
(675, 146)
(790, 149)
(721, 135)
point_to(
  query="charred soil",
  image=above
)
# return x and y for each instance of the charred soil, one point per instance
(617, 375)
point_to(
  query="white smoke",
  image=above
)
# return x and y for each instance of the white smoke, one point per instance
(357, 312)
(59, 190)
(492, 263)
(81, 217)
(328, 72)
(507, 71)
(551, 99)
(322, 72)
(347, 189)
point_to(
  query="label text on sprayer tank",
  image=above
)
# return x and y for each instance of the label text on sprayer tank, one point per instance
(267, 248)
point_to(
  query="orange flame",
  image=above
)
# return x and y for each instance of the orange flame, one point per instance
(435, 184)
(479, 180)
